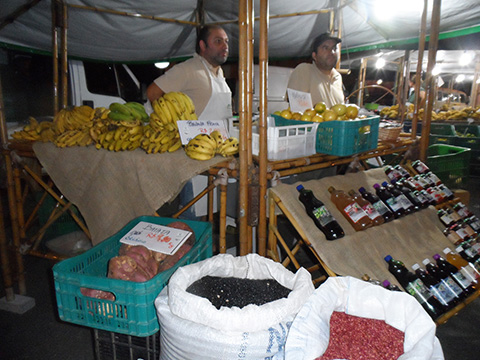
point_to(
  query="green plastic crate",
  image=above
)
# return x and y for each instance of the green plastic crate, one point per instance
(467, 136)
(133, 311)
(450, 164)
(345, 138)
(442, 134)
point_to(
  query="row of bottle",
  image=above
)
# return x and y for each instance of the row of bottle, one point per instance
(460, 224)
(385, 283)
(438, 286)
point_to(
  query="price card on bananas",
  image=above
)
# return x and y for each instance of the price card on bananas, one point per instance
(188, 129)
(164, 239)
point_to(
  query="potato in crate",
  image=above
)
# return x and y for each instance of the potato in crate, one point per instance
(87, 296)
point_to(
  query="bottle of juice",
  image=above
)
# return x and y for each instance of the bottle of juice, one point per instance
(392, 173)
(420, 167)
(389, 286)
(447, 298)
(372, 213)
(378, 204)
(461, 264)
(470, 257)
(466, 283)
(417, 203)
(350, 209)
(415, 287)
(320, 214)
(395, 207)
(447, 280)
(407, 205)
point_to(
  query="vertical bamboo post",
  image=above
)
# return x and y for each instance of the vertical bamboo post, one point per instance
(421, 48)
(262, 127)
(249, 111)
(222, 241)
(55, 56)
(64, 80)
(475, 85)
(430, 79)
(361, 81)
(210, 200)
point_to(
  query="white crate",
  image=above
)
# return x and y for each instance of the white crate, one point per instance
(283, 142)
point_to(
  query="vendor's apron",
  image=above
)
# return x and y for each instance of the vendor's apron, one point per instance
(219, 107)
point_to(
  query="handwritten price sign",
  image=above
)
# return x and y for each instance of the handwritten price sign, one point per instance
(156, 237)
(299, 101)
(188, 129)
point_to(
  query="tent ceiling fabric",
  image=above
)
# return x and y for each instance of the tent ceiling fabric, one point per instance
(112, 37)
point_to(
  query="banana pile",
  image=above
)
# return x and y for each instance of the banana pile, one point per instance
(160, 140)
(119, 138)
(128, 114)
(35, 131)
(171, 107)
(205, 147)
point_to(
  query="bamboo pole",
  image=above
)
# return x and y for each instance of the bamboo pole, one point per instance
(64, 60)
(421, 49)
(55, 57)
(262, 128)
(430, 79)
(222, 239)
(361, 81)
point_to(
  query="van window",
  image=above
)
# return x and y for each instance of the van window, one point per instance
(101, 79)
(128, 89)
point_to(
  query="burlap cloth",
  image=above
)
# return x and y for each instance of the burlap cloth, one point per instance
(410, 239)
(112, 188)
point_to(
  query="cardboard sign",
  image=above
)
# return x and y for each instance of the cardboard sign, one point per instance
(188, 129)
(299, 101)
(155, 237)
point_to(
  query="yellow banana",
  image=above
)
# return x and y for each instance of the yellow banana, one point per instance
(207, 138)
(133, 145)
(135, 137)
(217, 136)
(165, 109)
(200, 149)
(168, 137)
(172, 111)
(172, 98)
(125, 144)
(198, 156)
(202, 143)
(175, 146)
(190, 107)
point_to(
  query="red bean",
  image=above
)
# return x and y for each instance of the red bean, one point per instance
(359, 338)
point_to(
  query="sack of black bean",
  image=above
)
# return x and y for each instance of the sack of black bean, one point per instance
(230, 307)
(348, 318)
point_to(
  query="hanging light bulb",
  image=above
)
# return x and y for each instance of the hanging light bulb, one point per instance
(436, 70)
(379, 82)
(460, 78)
(162, 64)
(466, 58)
(380, 63)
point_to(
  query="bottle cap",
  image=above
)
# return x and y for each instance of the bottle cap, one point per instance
(299, 187)
(388, 258)
(446, 250)
(436, 256)
(426, 261)
(393, 181)
(362, 189)
(415, 267)
(386, 283)
(459, 249)
(376, 186)
(384, 183)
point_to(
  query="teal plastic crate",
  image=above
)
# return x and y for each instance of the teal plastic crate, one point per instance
(133, 311)
(467, 136)
(344, 138)
(442, 134)
(450, 164)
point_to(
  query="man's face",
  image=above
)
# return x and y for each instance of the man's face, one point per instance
(326, 56)
(215, 51)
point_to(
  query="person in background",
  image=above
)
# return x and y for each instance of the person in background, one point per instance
(411, 96)
(320, 78)
(201, 77)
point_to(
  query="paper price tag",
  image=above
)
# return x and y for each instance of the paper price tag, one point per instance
(188, 129)
(155, 237)
(299, 101)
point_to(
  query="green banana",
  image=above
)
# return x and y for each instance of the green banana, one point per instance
(119, 108)
(118, 116)
(139, 108)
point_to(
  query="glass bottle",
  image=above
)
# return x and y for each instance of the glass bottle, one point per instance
(403, 172)
(372, 213)
(407, 205)
(350, 209)
(445, 217)
(417, 203)
(389, 286)
(462, 210)
(467, 268)
(420, 167)
(447, 280)
(466, 283)
(415, 287)
(378, 204)
(320, 214)
(395, 207)
(471, 258)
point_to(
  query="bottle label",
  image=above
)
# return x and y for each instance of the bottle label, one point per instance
(394, 204)
(461, 279)
(441, 293)
(452, 286)
(446, 190)
(461, 232)
(380, 207)
(418, 289)
(470, 251)
(354, 212)
(446, 219)
(371, 211)
(470, 272)
(323, 215)
(403, 200)
(454, 238)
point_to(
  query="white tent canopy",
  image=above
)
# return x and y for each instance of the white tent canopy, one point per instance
(107, 35)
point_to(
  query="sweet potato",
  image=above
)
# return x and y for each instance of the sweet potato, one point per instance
(125, 268)
(142, 256)
(97, 294)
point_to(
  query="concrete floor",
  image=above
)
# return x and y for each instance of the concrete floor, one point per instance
(39, 334)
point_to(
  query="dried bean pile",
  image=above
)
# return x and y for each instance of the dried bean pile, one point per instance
(231, 291)
(358, 338)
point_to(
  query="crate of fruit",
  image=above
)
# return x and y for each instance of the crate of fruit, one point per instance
(467, 136)
(129, 307)
(286, 139)
(450, 164)
(347, 137)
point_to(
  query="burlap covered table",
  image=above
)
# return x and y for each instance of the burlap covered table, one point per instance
(112, 188)
(409, 239)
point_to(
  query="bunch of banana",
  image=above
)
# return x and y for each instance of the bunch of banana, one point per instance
(162, 140)
(129, 115)
(35, 131)
(171, 107)
(201, 147)
(119, 138)
(73, 118)
(229, 147)
(76, 137)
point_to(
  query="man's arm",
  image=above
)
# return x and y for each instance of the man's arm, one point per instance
(154, 92)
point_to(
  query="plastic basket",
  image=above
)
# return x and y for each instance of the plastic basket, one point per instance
(467, 136)
(344, 138)
(114, 346)
(442, 129)
(133, 311)
(286, 139)
(450, 164)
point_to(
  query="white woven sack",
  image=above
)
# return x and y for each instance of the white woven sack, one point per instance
(309, 333)
(192, 328)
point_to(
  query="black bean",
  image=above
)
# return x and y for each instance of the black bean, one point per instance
(231, 291)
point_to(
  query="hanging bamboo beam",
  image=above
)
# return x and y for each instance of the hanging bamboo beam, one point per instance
(17, 13)
(262, 127)
(135, 15)
(421, 49)
(430, 80)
